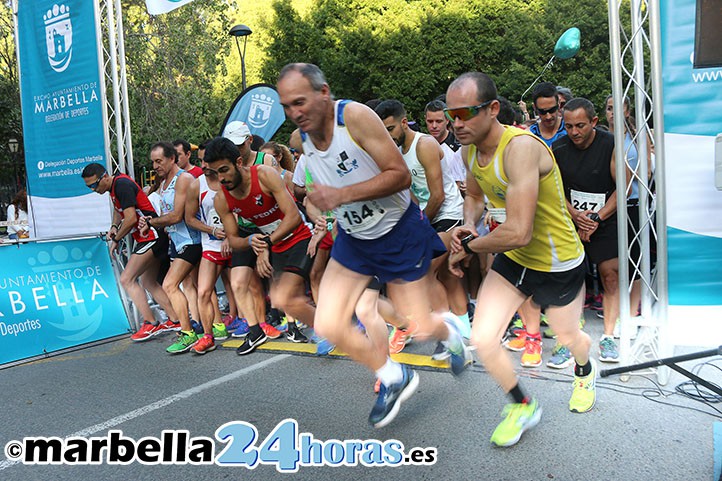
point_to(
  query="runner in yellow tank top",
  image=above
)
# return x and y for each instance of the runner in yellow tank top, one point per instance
(551, 249)
(539, 255)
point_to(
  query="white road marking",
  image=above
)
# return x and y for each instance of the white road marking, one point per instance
(89, 431)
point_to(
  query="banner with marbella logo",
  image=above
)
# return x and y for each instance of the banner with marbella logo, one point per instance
(63, 103)
(158, 7)
(692, 105)
(259, 106)
(56, 295)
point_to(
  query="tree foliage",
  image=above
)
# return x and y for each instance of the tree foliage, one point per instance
(412, 49)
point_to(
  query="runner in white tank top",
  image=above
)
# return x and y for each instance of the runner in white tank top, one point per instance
(357, 171)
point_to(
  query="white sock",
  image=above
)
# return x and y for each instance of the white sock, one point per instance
(466, 329)
(453, 343)
(390, 373)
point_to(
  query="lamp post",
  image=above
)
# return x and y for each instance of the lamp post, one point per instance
(14, 146)
(241, 31)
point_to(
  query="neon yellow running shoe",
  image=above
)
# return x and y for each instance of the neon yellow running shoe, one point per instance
(183, 343)
(519, 418)
(585, 391)
(220, 331)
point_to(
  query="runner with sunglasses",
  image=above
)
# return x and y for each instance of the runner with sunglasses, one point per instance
(550, 123)
(539, 255)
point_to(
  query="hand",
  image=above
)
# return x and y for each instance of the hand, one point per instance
(455, 260)
(226, 248)
(263, 264)
(258, 244)
(582, 221)
(110, 235)
(462, 187)
(218, 233)
(522, 106)
(459, 233)
(319, 232)
(324, 197)
(113, 246)
(143, 226)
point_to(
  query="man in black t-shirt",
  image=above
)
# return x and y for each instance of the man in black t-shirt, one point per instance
(130, 204)
(587, 164)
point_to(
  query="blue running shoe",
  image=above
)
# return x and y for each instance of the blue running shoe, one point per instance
(460, 357)
(235, 324)
(323, 347)
(390, 398)
(242, 329)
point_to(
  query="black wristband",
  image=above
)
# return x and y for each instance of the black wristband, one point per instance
(267, 240)
(465, 243)
(595, 217)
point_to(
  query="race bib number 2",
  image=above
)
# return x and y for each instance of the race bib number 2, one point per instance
(587, 200)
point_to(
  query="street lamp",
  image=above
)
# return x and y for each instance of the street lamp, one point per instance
(241, 31)
(14, 146)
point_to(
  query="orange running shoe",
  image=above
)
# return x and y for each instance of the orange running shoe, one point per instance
(270, 331)
(203, 345)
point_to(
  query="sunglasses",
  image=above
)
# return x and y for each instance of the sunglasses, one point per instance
(546, 111)
(95, 184)
(465, 113)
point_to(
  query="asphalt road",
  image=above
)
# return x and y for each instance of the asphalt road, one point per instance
(140, 390)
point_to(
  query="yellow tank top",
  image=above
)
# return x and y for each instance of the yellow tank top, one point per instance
(555, 245)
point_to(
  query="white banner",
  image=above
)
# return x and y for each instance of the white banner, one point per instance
(158, 7)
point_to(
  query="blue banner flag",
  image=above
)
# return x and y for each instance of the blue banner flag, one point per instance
(259, 106)
(63, 121)
(56, 295)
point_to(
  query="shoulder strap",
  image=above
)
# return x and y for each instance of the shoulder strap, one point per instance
(339, 111)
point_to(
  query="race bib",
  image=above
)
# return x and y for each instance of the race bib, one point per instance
(214, 219)
(587, 200)
(359, 216)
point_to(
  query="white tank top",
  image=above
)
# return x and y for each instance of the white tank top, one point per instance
(345, 164)
(453, 205)
(209, 216)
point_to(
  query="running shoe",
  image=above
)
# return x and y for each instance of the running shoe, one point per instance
(283, 326)
(146, 331)
(561, 358)
(197, 327)
(324, 347)
(543, 320)
(608, 351)
(205, 344)
(398, 338)
(270, 331)
(596, 304)
(242, 329)
(183, 343)
(532, 356)
(250, 344)
(220, 331)
(294, 334)
(227, 320)
(460, 356)
(516, 343)
(440, 352)
(390, 398)
(234, 324)
(515, 326)
(170, 326)
(585, 391)
(518, 417)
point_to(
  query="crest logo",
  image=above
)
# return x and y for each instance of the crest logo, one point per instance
(259, 199)
(260, 111)
(58, 37)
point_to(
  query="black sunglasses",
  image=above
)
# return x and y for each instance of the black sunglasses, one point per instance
(95, 184)
(547, 111)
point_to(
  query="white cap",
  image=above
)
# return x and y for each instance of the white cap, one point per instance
(237, 132)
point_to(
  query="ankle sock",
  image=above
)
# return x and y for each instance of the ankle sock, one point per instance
(390, 373)
(584, 370)
(518, 396)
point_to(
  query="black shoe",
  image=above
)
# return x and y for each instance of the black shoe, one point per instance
(294, 334)
(390, 398)
(250, 344)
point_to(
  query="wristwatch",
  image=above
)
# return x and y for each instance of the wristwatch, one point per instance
(595, 217)
(267, 240)
(465, 243)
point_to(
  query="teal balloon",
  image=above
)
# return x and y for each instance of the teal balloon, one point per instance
(568, 44)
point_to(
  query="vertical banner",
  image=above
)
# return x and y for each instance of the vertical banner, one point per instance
(259, 106)
(62, 105)
(56, 295)
(692, 104)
